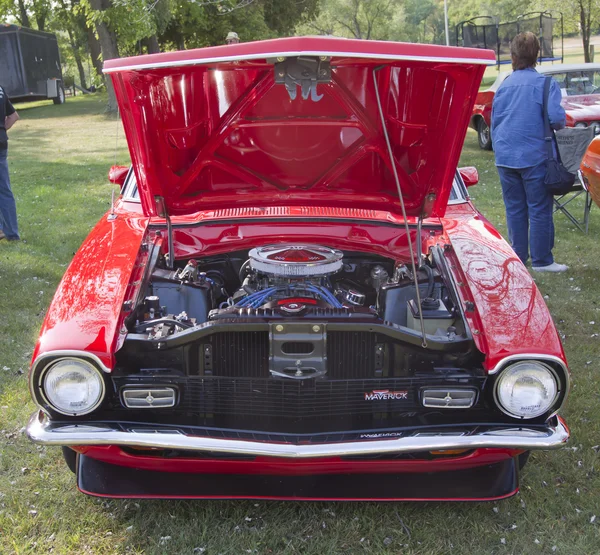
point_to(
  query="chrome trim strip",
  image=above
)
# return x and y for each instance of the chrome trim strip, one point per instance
(41, 430)
(527, 356)
(293, 53)
(148, 398)
(430, 400)
(71, 354)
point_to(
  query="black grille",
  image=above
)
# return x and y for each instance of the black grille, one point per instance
(297, 406)
(302, 406)
(244, 354)
(298, 399)
(350, 354)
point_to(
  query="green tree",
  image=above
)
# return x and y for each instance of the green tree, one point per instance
(582, 16)
(359, 19)
(27, 13)
(206, 23)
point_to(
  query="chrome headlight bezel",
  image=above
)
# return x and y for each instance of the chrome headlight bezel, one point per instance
(40, 374)
(558, 373)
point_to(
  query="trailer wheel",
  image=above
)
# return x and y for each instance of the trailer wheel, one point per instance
(60, 99)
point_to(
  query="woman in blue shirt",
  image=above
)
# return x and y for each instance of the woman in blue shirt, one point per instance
(519, 146)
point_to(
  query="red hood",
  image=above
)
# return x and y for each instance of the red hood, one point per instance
(213, 128)
(585, 107)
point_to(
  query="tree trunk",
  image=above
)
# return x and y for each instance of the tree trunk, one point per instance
(41, 22)
(23, 17)
(585, 20)
(80, 69)
(95, 50)
(152, 44)
(108, 45)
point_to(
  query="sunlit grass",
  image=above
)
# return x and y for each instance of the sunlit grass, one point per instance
(59, 156)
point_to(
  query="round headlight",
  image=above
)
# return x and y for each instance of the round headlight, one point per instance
(73, 386)
(526, 389)
(581, 124)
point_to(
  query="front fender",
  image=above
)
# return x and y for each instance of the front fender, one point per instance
(86, 308)
(509, 316)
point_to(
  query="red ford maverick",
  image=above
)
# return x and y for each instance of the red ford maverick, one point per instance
(294, 297)
(580, 88)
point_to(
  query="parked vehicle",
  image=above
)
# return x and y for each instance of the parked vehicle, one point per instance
(580, 87)
(30, 66)
(294, 297)
(590, 168)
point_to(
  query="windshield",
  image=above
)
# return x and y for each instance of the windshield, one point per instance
(574, 83)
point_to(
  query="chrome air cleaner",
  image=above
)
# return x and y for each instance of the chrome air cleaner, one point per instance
(292, 261)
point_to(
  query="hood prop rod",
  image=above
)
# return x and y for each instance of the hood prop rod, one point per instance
(400, 196)
(161, 211)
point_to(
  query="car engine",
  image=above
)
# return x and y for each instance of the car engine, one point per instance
(291, 280)
(293, 277)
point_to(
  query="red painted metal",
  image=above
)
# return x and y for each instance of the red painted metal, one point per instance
(510, 315)
(332, 499)
(118, 174)
(85, 313)
(222, 237)
(285, 467)
(579, 109)
(218, 133)
(470, 175)
(345, 49)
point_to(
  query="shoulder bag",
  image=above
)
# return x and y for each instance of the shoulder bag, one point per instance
(558, 180)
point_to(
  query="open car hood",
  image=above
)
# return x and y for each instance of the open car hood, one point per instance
(295, 122)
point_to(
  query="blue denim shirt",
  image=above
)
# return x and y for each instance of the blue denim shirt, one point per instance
(517, 121)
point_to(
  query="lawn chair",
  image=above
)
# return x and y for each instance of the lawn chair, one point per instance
(572, 143)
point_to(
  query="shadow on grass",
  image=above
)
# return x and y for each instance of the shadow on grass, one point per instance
(94, 104)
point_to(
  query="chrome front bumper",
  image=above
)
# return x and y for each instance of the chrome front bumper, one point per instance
(41, 430)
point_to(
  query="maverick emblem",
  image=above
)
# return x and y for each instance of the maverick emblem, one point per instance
(385, 395)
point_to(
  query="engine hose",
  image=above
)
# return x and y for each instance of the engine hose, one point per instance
(430, 284)
(242, 272)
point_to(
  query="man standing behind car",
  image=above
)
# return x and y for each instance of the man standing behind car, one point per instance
(8, 209)
(520, 149)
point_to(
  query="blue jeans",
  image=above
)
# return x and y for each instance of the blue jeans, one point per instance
(8, 209)
(528, 213)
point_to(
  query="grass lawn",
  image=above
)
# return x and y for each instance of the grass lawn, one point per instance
(59, 157)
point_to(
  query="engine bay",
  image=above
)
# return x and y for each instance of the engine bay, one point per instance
(296, 281)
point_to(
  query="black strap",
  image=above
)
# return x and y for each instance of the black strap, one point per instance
(549, 135)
